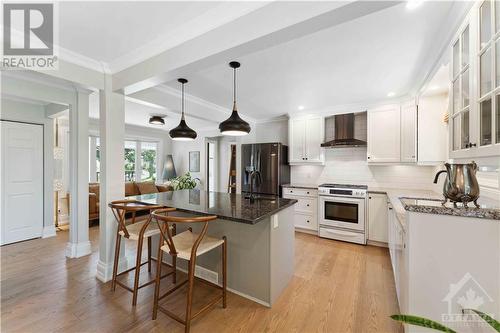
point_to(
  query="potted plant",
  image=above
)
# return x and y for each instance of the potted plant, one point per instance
(184, 182)
(424, 322)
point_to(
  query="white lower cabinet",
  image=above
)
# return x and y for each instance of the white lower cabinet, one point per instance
(377, 217)
(398, 252)
(306, 209)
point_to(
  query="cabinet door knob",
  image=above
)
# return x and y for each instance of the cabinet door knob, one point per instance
(307, 221)
(307, 192)
(369, 197)
(368, 157)
(472, 145)
(307, 205)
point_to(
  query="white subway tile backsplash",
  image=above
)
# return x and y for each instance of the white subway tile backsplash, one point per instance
(348, 165)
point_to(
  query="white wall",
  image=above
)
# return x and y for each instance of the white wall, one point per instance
(272, 131)
(349, 166)
(31, 113)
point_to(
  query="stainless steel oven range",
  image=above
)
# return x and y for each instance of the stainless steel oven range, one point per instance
(343, 212)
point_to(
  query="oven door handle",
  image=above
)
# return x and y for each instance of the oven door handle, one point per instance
(342, 233)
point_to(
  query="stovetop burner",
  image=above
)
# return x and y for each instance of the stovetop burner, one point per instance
(361, 187)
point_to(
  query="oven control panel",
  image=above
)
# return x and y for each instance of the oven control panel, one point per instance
(342, 192)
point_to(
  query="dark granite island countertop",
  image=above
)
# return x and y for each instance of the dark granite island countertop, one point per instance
(260, 238)
(227, 206)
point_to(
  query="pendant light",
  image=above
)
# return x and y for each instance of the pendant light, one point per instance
(234, 125)
(182, 132)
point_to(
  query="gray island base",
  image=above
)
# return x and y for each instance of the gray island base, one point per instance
(260, 239)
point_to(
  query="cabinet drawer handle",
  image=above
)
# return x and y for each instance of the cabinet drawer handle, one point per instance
(307, 192)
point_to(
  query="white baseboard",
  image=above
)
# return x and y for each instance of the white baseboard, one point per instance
(49, 231)
(306, 231)
(105, 270)
(77, 250)
(376, 243)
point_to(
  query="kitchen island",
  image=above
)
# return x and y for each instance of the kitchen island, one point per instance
(260, 238)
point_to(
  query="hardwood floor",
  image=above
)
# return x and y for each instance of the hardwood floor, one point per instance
(337, 287)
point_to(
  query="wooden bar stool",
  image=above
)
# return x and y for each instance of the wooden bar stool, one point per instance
(136, 231)
(187, 245)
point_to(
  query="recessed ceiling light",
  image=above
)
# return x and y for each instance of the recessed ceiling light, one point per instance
(300, 107)
(391, 94)
(157, 120)
(412, 4)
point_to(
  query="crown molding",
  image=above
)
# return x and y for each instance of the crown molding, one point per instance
(84, 61)
(35, 77)
(354, 107)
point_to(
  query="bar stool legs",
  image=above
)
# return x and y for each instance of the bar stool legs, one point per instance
(115, 263)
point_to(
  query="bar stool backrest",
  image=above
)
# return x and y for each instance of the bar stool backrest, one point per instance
(122, 207)
(166, 235)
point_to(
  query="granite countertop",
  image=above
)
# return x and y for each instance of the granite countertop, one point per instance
(227, 206)
(305, 186)
(403, 200)
(487, 209)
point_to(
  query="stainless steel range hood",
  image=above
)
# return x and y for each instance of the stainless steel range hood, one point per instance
(344, 133)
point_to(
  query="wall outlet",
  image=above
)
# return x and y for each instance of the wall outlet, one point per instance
(275, 222)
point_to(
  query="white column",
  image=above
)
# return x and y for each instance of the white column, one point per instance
(79, 244)
(49, 229)
(112, 183)
(92, 159)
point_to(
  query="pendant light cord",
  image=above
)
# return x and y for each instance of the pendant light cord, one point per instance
(182, 117)
(234, 88)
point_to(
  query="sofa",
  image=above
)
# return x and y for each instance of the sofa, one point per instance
(131, 188)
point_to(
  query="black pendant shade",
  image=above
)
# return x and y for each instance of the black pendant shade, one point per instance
(234, 125)
(182, 132)
(156, 120)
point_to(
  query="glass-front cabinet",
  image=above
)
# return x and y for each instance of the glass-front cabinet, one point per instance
(475, 103)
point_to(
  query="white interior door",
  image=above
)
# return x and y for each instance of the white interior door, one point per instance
(22, 181)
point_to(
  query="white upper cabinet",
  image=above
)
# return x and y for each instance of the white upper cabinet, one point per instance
(297, 138)
(475, 108)
(409, 133)
(306, 136)
(384, 130)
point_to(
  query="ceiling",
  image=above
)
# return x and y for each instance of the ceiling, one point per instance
(118, 34)
(355, 62)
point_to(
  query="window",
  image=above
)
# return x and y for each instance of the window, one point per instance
(148, 161)
(139, 160)
(461, 92)
(129, 160)
(489, 61)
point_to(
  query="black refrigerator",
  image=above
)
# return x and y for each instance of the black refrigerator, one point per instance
(270, 161)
